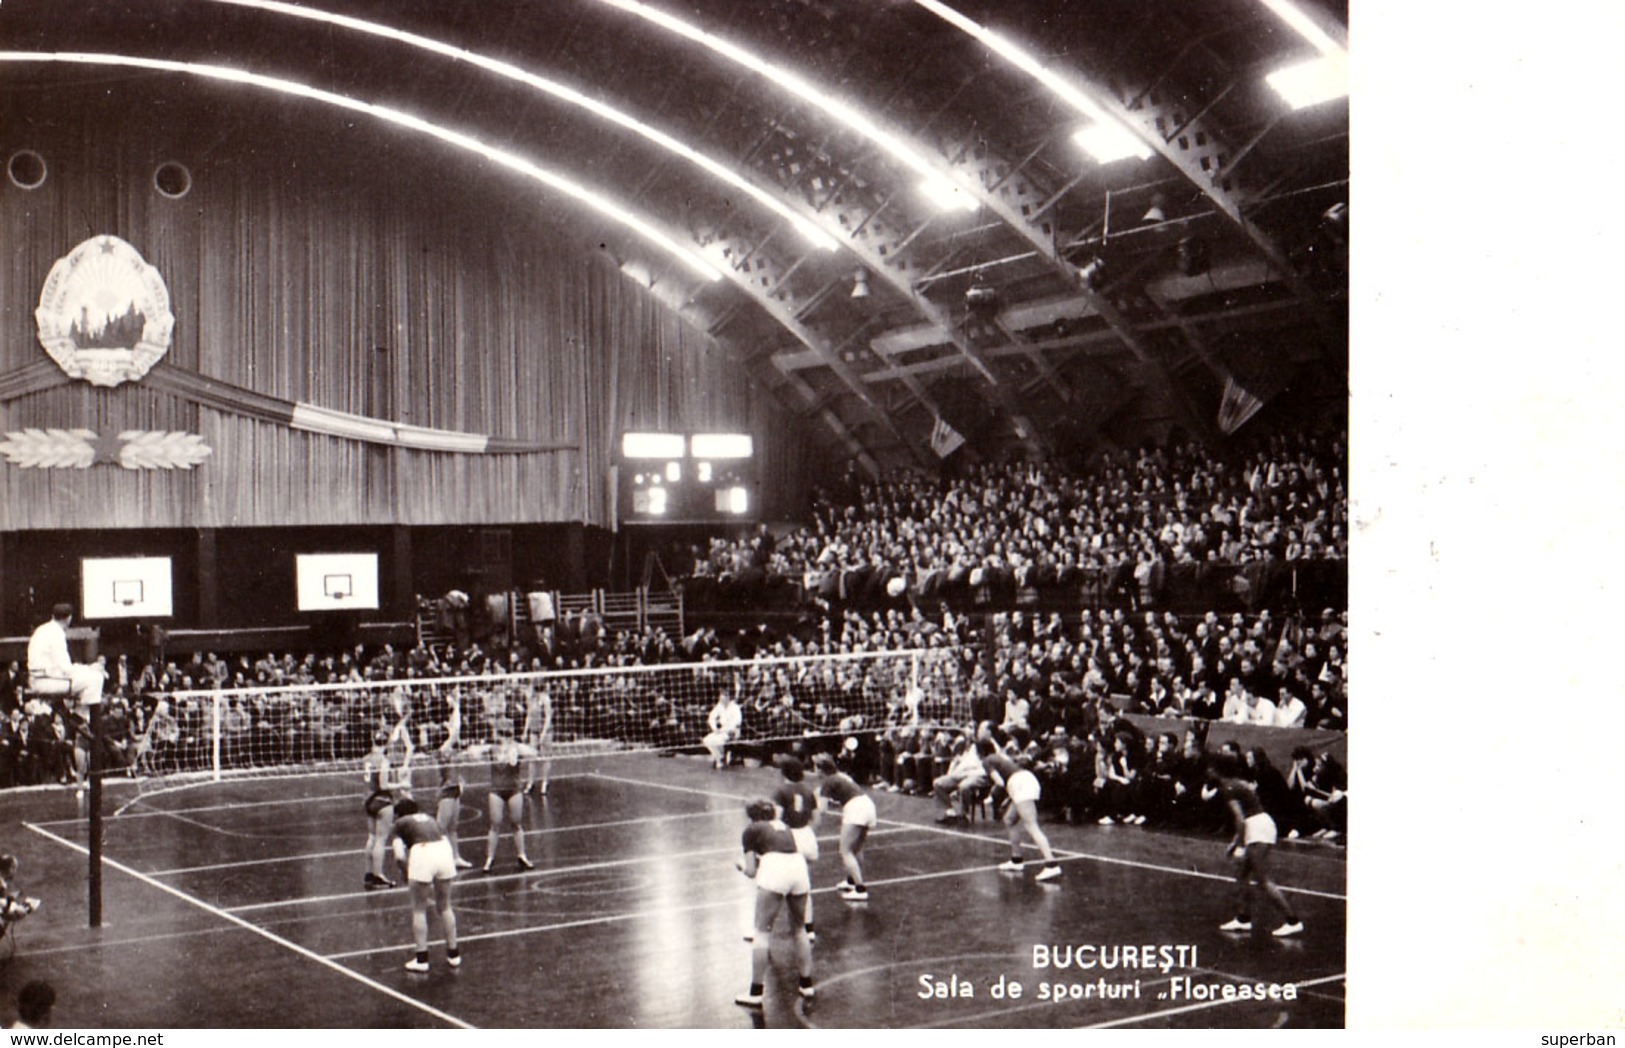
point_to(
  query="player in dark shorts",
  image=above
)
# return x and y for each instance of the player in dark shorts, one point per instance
(506, 800)
(780, 873)
(380, 779)
(842, 793)
(798, 809)
(449, 788)
(1251, 846)
(427, 863)
(1021, 786)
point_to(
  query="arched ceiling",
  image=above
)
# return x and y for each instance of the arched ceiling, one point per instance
(1241, 277)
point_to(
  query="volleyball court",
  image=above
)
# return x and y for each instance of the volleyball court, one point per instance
(234, 872)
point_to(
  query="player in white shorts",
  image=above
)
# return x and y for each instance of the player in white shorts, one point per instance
(798, 809)
(426, 859)
(857, 810)
(1021, 787)
(780, 872)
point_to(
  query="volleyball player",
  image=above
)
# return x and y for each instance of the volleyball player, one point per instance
(428, 863)
(842, 793)
(383, 782)
(781, 879)
(797, 806)
(506, 801)
(449, 796)
(1021, 787)
(539, 733)
(1251, 846)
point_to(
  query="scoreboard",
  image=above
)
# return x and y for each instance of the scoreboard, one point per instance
(686, 478)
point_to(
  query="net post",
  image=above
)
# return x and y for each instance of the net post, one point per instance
(94, 879)
(214, 745)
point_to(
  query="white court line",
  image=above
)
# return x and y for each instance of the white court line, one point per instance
(660, 912)
(1060, 853)
(522, 874)
(1199, 1006)
(357, 794)
(353, 852)
(269, 936)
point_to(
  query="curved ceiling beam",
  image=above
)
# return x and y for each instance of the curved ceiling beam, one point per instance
(1195, 149)
(936, 182)
(616, 212)
(564, 93)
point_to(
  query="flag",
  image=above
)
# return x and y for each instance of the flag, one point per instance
(1236, 406)
(945, 439)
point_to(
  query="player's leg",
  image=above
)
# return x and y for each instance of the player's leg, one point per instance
(420, 927)
(803, 942)
(1258, 861)
(497, 811)
(767, 910)
(1026, 810)
(448, 919)
(853, 834)
(1243, 920)
(516, 819)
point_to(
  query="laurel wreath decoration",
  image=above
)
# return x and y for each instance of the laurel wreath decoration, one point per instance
(160, 450)
(77, 449)
(49, 448)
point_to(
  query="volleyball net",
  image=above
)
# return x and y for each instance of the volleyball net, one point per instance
(322, 728)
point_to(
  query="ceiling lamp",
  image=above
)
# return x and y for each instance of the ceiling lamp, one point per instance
(860, 284)
(1106, 140)
(1093, 273)
(1311, 82)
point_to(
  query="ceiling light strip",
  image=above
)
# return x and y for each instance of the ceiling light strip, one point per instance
(1027, 63)
(603, 205)
(564, 93)
(1308, 28)
(942, 185)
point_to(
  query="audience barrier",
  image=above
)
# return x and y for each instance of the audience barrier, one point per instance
(1277, 742)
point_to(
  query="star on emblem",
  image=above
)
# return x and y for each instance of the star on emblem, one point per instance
(108, 448)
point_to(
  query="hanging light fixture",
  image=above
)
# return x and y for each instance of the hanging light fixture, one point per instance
(860, 284)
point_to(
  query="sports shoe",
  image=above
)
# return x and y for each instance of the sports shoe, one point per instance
(807, 992)
(454, 959)
(524, 863)
(812, 936)
(1106, 820)
(1289, 928)
(415, 965)
(487, 867)
(749, 1000)
(375, 883)
(1048, 873)
(464, 864)
(1012, 866)
(845, 885)
(1236, 924)
(1138, 820)
(854, 895)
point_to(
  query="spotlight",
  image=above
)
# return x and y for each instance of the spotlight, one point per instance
(1093, 273)
(981, 298)
(860, 284)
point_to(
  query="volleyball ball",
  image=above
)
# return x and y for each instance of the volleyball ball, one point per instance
(895, 587)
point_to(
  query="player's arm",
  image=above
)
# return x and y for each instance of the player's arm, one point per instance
(1240, 819)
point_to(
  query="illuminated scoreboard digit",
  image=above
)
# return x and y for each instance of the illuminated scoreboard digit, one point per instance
(677, 478)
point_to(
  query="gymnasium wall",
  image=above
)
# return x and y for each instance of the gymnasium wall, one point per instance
(322, 260)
